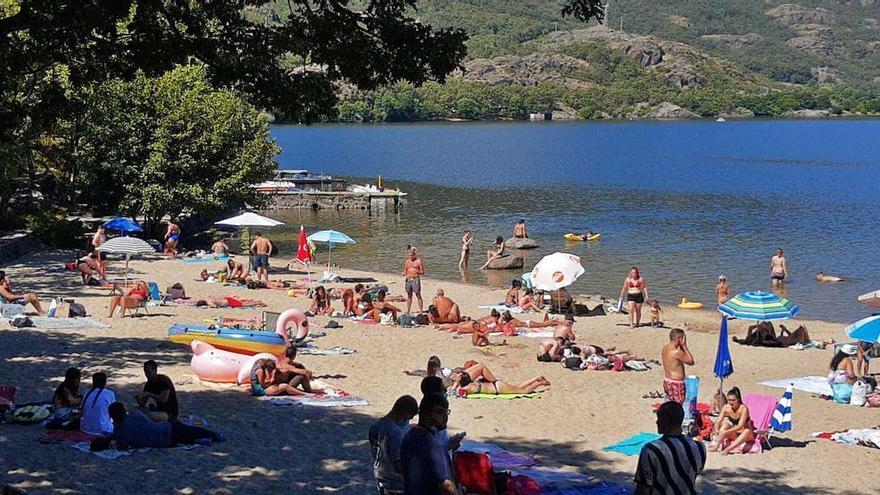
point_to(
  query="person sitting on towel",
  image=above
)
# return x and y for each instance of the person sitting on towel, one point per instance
(8, 296)
(135, 430)
(738, 429)
(293, 373)
(513, 294)
(158, 398)
(381, 306)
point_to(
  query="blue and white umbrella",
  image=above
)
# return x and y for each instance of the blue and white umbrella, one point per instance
(723, 362)
(866, 329)
(781, 420)
(331, 237)
(128, 246)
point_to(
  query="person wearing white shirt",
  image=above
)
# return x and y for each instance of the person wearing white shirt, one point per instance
(95, 416)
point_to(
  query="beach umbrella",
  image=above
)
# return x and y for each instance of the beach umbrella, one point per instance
(781, 420)
(871, 299)
(759, 305)
(556, 271)
(304, 252)
(128, 246)
(723, 362)
(330, 237)
(123, 225)
(249, 219)
(866, 329)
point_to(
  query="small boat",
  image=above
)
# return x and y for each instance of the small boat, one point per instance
(720, 119)
(582, 237)
(297, 180)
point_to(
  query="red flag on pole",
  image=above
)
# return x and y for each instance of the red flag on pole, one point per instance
(303, 252)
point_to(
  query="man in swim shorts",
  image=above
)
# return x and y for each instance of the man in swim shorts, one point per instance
(675, 356)
(261, 248)
(413, 269)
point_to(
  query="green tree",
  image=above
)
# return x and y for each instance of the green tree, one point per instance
(169, 145)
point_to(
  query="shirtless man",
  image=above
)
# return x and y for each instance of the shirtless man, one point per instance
(220, 247)
(413, 269)
(675, 356)
(550, 351)
(7, 296)
(293, 373)
(380, 307)
(564, 329)
(821, 277)
(722, 290)
(519, 230)
(778, 268)
(260, 249)
(445, 309)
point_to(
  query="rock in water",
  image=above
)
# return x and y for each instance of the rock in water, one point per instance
(520, 243)
(506, 262)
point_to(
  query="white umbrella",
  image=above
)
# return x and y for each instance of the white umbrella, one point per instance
(871, 299)
(556, 271)
(128, 246)
(249, 219)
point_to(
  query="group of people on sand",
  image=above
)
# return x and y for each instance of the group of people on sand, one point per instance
(282, 377)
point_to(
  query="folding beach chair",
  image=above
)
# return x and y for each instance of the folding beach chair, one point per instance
(761, 409)
(270, 320)
(154, 298)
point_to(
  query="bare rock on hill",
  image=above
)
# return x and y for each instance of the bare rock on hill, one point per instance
(679, 21)
(531, 70)
(738, 113)
(664, 110)
(826, 75)
(818, 40)
(734, 40)
(808, 114)
(793, 15)
(506, 262)
(518, 243)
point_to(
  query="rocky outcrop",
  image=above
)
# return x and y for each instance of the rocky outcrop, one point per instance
(811, 25)
(518, 243)
(794, 15)
(506, 262)
(664, 110)
(826, 75)
(738, 113)
(679, 21)
(734, 40)
(818, 40)
(808, 114)
(531, 70)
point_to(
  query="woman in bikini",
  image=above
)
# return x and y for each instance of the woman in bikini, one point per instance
(265, 380)
(498, 387)
(497, 253)
(778, 269)
(321, 302)
(530, 301)
(509, 324)
(636, 291)
(466, 240)
(172, 237)
(90, 267)
(132, 299)
(841, 369)
(738, 429)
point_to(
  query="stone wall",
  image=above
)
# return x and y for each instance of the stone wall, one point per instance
(15, 245)
(335, 201)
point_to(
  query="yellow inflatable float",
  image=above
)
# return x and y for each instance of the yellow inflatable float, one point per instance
(685, 304)
(580, 237)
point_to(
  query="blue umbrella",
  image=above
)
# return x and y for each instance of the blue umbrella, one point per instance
(124, 224)
(866, 329)
(723, 362)
(331, 237)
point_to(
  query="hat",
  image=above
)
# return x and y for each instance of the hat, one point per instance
(722, 277)
(332, 324)
(848, 349)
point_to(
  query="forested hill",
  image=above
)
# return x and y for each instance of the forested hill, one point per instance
(650, 59)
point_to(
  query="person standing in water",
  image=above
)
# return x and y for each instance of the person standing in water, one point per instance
(413, 269)
(466, 241)
(675, 356)
(778, 268)
(519, 230)
(722, 290)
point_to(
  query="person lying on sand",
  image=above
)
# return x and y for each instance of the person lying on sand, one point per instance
(230, 302)
(761, 334)
(465, 386)
(380, 307)
(266, 380)
(821, 277)
(443, 310)
(486, 324)
(134, 430)
(133, 298)
(550, 351)
(475, 371)
(10, 297)
(509, 324)
(293, 373)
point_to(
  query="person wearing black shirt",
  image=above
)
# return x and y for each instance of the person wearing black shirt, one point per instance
(158, 397)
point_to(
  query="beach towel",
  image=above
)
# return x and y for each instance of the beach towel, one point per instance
(59, 323)
(116, 454)
(501, 459)
(55, 436)
(866, 437)
(501, 307)
(817, 385)
(548, 478)
(206, 259)
(533, 395)
(322, 401)
(534, 334)
(632, 445)
(316, 351)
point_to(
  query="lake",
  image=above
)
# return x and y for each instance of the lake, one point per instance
(685, 201)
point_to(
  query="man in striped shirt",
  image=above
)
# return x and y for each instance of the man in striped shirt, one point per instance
(670, 464)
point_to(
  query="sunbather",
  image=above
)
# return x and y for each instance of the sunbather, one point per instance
(443, 310)
(500, 386)
(788, 338)
(230, 302)
(90, 267)
(493, 254)
(8, 296)
(530, 301)
(509, 323)
(738, 429)
(235, 270)
(550, 351)
(321, 302)
(841, 367)
(380, 307)
(565, 329)
(132, 299)
(762, 334)
(265, 380)
(511, 299)
(475, 371)
(220, 247)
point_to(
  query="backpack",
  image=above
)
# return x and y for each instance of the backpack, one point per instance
(76, 311)
(573, 362)
(21, 321)
(474, 471)
(386, 319)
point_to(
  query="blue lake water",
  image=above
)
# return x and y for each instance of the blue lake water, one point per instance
(685, 201)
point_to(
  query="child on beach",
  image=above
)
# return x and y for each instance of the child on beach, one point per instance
(655, 313)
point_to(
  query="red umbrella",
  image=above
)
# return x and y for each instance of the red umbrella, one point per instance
(303, 252)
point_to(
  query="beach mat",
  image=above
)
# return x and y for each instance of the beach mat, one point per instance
(817, 385)
(632, 445)
(317, 351)
(116, 454)
(533, 395)
(326, 401)
(534, 335)
(205, 259)
(63, 323)
(865, 437)
(549, 478)
(501, 459)
(502, 308)
(597, 488)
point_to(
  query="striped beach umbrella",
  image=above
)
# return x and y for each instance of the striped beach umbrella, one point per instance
(866, 329)
(128, 246)
(781, 420)
(759, 305)
(331, 237)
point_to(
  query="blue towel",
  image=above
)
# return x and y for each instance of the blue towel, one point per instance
(632, 445)
(206, 259)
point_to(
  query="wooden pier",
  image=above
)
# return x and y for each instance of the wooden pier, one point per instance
(390, 201)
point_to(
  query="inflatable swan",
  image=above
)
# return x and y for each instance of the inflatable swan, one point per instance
(216, 365)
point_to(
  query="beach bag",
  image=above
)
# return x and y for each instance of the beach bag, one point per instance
(76, 310)
(176, 291)
(405, 320)
(30, 414)
(474, 472)
(522, 485)
(859, 393)
(10, 310)
(21, 321)
(573, 362)
(841, 392)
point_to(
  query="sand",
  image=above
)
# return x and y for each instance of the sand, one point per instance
(308, 450)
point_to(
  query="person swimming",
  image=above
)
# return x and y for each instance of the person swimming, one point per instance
(821, 277)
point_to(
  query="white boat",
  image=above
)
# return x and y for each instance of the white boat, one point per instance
(720, 119)
(367, 188)
(297, 180)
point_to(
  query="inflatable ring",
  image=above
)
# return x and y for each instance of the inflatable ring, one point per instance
(685, 304)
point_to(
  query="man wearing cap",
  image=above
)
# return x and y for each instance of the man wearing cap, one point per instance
(670, 464)
(722, 290)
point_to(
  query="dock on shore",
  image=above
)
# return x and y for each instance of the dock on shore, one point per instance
(338, 200)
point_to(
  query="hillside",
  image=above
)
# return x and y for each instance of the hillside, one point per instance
(672, 59)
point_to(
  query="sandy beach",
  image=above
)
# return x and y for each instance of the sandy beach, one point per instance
(310, 450)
